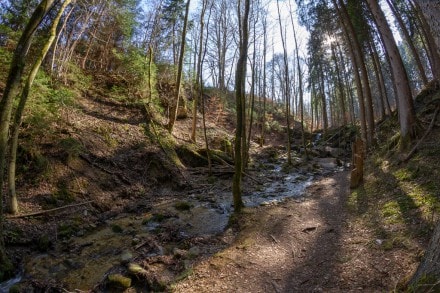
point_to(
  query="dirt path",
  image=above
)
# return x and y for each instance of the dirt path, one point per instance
(307, 245)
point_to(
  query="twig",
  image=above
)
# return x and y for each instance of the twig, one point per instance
(431, 125)
(48, 211)
(274, 239)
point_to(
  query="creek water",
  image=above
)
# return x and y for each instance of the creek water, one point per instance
(87, 259)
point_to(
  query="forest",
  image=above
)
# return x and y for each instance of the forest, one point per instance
(219, 146)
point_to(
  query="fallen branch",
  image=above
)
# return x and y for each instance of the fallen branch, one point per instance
(431, 125)
(48, 211)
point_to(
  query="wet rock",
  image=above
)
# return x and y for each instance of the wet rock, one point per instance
(119, 281)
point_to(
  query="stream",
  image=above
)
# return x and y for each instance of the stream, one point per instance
(85, 260)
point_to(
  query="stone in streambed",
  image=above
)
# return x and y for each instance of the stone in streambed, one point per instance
(118, 280)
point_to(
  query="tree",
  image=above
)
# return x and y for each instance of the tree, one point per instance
(286, 85)
(240, 91)
(407, 117)
(175, 108)
(10, 93)
(15, 128)
(409, 41)
(429, 267)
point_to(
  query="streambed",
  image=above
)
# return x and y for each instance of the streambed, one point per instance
(85, 261)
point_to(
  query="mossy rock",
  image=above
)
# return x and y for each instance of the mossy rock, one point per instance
(218, 156)
(117, 229)
(182, 206)
(190, 157)
(119, 281)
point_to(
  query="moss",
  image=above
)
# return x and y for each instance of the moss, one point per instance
(426, 283)
(154, 218)
(6, 268)
(15, 289)
(107, 135)
(119, 280)
(117, 229)
(72, 147)
(44, 243)
(183, 206)
(190, 157)
(66, 230)
(185, 274)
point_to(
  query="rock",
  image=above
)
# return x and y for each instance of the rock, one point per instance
(71, 264)
(126, 256)
(180, 252)
(136, 269)
(119, 280)
(135, 241)
(194, 251)
(334, 152)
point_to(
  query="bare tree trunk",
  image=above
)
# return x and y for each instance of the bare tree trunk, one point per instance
(15, 128)
(175, 108)
(360, 61)
(263, 120)
(355, 59)
(429, 267)
(240, 84)
(199, 72)
(385, 104)
(407, 116)
(287, 87)
(409, 41)
(433, 48)
(6, 103)
(300, 83)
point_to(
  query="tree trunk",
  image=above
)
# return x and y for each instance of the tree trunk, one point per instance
(175, 108)
(407, 118)
(409, 41)
(263, 119)
(240, 77)
(385, 104)
(357, 172)
(13, 206)
(6, 103)
(431, 11)
(428, 271)
(198, 74)
(300, 82)
(422, 10)
(287, 87)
